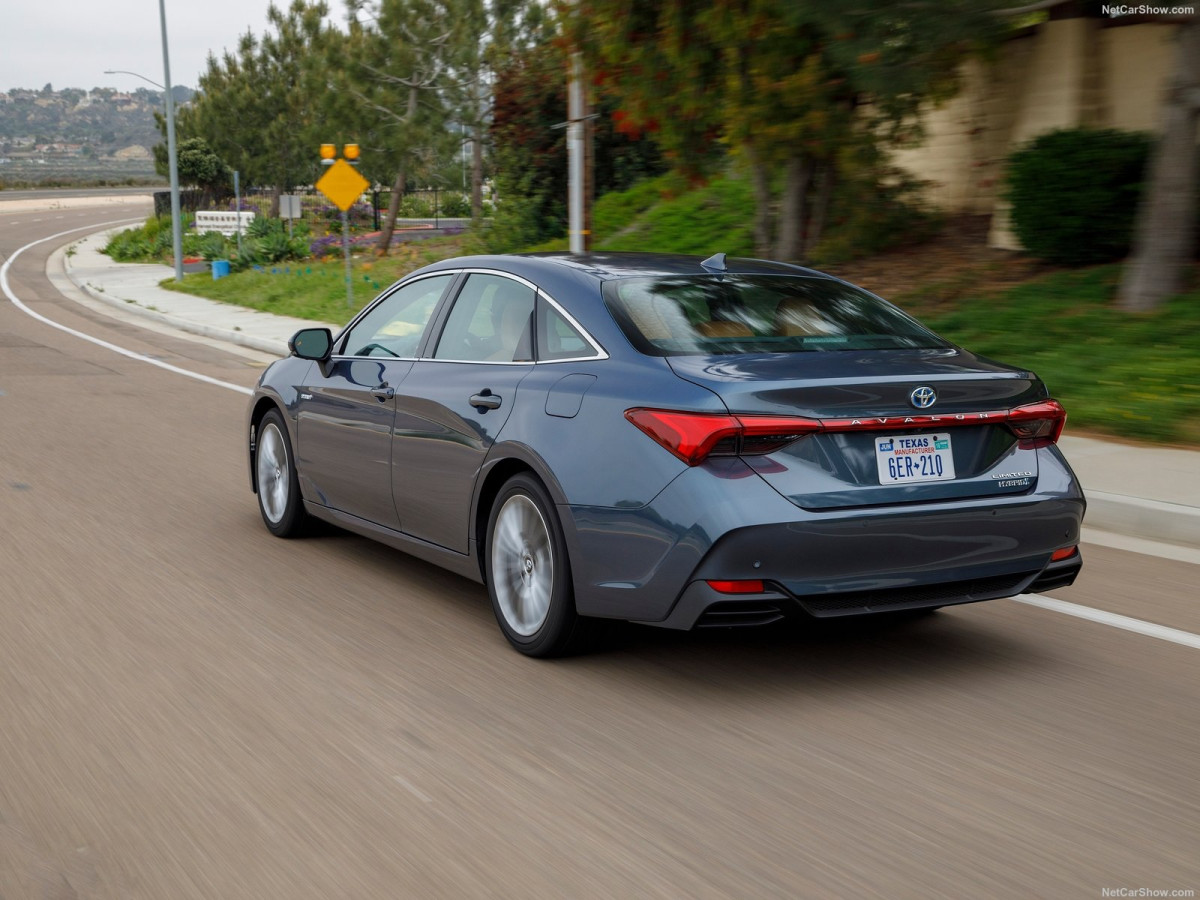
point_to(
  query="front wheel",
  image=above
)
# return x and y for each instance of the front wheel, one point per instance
(276, 481)
(529, 574)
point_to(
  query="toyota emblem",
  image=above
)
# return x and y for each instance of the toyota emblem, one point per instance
(923, 397)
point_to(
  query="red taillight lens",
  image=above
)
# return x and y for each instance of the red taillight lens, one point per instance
(736, 587)
(693, 437)
(690, 436)
(1037, 424)
(1064, 553)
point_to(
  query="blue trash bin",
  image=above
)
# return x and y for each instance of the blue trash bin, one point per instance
(220, 268)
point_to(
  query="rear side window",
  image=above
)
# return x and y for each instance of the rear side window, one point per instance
(557, 338)
(678, 315)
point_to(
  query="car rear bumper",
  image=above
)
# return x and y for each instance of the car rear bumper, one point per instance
(651, 564)
(699, 606)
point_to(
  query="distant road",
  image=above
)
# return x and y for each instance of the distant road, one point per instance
(64, 193)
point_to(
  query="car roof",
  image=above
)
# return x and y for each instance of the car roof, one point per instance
(609, 266)
(606, 266)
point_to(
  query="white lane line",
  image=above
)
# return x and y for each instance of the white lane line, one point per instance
(4, 285)
(1106, 618)
(424, 798)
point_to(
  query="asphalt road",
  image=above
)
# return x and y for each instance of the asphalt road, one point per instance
(192, 708)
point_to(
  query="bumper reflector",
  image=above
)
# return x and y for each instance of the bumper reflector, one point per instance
(737, 587)
(1064, 553)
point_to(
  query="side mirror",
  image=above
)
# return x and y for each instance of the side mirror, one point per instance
(311, 343)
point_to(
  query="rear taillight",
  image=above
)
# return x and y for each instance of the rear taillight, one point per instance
(693, 437)
(1037, 424)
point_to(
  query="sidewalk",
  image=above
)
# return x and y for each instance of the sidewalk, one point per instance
(1134, 490)
(134, 288)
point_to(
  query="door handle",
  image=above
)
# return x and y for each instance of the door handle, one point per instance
(485, 400)
(383, 393)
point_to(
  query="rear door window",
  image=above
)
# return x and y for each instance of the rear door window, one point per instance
(490, 322)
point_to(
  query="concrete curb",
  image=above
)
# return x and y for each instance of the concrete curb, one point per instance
(1151, 520)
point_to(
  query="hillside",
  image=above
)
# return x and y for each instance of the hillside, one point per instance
(48, 135)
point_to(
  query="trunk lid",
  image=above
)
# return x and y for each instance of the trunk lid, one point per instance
(865, 399)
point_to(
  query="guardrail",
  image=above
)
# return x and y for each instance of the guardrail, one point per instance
(226, 223)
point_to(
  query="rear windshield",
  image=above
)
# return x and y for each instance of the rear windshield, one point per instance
(716, 314)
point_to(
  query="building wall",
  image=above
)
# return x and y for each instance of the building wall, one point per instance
(966, 139)
(1070, 72)
(1137, 62)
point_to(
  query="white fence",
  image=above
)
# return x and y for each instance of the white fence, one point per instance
(225, 222)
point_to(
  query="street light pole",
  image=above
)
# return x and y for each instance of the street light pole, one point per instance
(135, 75)
(173, 165)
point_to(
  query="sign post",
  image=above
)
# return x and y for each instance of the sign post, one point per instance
(343, 185)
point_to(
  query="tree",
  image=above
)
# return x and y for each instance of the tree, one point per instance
(793, 89)
(488, 36)
(1165, 236)
(530, 100)
(198, 167)
(256, 107)
(395, 68)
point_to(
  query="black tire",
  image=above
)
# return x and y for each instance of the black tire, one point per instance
(527, 569)
(277, 486)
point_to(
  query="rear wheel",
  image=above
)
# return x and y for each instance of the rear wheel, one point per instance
(529, 574)
(276, 481)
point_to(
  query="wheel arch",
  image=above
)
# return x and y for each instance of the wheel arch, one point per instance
(503, 463)
(262, 405)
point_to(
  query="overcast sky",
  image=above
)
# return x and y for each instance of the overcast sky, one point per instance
(69, 43)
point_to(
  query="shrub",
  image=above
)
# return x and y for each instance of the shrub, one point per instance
(1074, 194)
(455, 206)
(416, 206)
(213, 246)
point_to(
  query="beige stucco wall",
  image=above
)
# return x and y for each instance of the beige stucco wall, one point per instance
(1069, 72)
(1058, 93)
(966, 139)
(1137, 62)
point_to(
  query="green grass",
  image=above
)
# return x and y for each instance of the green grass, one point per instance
(1135, 376)
(716, 218)
(317, 289)
(662, 215)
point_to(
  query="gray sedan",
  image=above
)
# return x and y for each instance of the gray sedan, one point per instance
(663, 439)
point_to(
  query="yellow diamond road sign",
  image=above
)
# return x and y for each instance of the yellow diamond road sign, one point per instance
(342, 184)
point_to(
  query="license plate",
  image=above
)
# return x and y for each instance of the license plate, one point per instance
(912, 458)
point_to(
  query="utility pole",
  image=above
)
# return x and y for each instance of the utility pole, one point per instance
(578, 130)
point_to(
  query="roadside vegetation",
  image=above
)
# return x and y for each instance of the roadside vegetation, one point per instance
(315, 288)
(266, 241)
